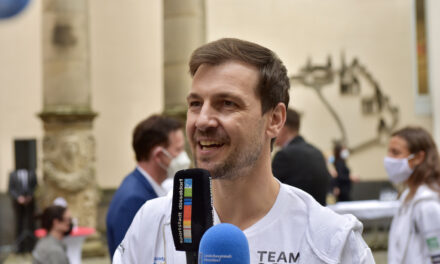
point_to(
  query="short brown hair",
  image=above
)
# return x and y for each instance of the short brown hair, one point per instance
(293, 120)
(427, 172)
(273, 86)
(152, 132)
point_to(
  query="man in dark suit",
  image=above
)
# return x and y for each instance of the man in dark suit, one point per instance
(159, 146)
(22, 184)
(299, 163)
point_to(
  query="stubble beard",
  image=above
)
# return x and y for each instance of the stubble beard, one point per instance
(239, 162)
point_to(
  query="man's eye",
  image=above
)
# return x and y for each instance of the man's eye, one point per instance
(194, 104)
(229, 103)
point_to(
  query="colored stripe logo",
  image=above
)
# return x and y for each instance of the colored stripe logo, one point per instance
(187, 208)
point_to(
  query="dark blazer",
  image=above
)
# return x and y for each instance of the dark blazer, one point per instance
(301, 165)
(16, 187)
(134, 191)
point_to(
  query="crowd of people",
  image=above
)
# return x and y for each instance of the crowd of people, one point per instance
(238, 108)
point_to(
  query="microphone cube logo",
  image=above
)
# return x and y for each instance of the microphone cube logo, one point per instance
(187, 208)
(179, 214)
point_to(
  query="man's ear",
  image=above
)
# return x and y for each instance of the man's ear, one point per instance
(276, 120)
(155, 153)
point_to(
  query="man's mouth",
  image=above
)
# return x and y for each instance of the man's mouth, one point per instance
(205, 144)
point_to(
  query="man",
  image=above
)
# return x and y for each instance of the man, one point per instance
(159, 146)
(22, 184)
(57, 221)
(298, 163)
(236, 107)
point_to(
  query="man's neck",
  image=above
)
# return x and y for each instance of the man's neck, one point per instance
(248, 198)
(290, 137)
(154, 171)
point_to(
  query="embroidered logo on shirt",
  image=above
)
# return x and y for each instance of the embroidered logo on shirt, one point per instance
(433, 243)
(159, 260)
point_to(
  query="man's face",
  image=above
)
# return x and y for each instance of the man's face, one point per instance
(225, 127)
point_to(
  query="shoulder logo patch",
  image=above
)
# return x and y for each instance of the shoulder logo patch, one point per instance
(433, 243)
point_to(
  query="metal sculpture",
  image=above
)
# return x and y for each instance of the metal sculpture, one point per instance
(318, 76)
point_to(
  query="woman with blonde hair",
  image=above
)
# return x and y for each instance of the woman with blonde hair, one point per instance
(413, 160)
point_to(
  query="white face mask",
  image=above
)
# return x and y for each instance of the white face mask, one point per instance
(180, 162)
(398, 169)
(345, 153)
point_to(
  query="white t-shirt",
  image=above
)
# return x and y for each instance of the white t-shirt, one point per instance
(296, 230)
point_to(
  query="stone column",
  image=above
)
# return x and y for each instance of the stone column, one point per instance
(68, 144)
(184, 31)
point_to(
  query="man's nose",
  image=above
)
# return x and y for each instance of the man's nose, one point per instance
(207, 118)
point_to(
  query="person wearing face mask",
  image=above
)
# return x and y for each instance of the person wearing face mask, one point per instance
(57, 221)
(413, 160)
(158, 143)
(342, 177)
(178, 163)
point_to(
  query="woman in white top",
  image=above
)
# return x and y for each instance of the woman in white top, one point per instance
(413, 160)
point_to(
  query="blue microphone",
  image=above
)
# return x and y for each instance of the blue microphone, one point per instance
(224, 244)
(10, 8)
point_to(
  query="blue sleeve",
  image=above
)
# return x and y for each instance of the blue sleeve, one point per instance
(118, 226)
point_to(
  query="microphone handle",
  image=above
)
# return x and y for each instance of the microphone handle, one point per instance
(191, 257)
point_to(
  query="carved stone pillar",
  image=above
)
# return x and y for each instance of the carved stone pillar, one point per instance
(68, 166)
(68, 144)
(184, 30)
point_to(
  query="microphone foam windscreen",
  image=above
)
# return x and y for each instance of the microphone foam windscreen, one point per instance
(10, 8)
(224, 243)
(191, 213)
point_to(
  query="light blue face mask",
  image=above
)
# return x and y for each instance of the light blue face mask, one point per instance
(398, 169)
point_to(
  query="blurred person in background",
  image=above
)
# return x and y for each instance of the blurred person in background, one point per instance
(22, 184)
(299, 163)
(413, 160)
(158, 143)
(57, 221)
(343, 179)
